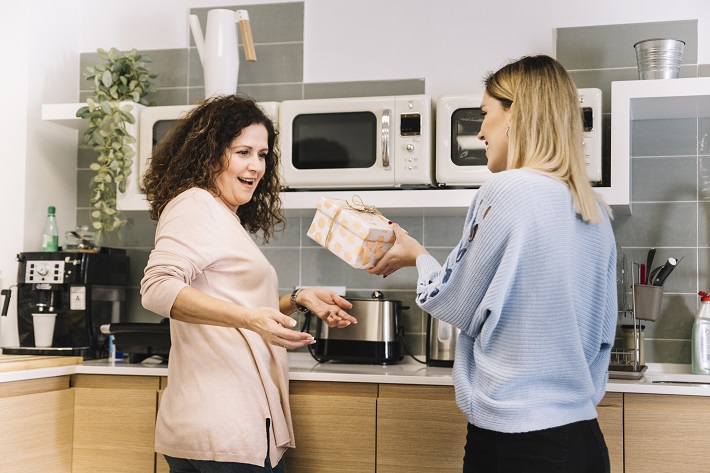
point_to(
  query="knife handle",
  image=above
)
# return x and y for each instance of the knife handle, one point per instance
(663, 274)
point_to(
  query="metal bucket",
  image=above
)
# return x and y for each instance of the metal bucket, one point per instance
(659, 58)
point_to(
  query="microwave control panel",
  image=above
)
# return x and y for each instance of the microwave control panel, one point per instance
(413, 140)
(590, 101)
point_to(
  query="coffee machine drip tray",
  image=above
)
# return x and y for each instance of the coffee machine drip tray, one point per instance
(48, 351)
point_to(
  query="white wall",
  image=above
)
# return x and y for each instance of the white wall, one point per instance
(51, 148)
(13, 126)
(40, 50)
(453, 43)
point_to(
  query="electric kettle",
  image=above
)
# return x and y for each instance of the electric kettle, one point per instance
(441, 342)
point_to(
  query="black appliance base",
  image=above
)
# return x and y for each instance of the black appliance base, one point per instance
(442, 363)
(360, 352)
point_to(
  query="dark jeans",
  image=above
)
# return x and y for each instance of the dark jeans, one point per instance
(574, 448)
(184, 465)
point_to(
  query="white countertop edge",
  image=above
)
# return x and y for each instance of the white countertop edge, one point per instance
(123, 370)
(373, 378)
(647, 387)
(303, 368)
(37, 373)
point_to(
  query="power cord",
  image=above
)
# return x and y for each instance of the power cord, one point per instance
(406, 347)
(306, 328)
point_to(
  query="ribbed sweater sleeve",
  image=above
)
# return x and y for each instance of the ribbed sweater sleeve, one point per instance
(533, 289)
(179, 255)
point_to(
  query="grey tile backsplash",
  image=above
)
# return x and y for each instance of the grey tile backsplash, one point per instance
(670, 169)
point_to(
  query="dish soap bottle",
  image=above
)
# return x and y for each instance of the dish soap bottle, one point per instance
(700, 342)
(50, 235)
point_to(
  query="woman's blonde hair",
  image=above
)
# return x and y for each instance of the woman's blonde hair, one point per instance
(546, 126)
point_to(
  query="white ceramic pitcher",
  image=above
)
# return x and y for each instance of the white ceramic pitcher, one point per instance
(218, 48)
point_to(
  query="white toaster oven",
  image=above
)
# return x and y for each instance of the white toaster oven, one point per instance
(461, 156)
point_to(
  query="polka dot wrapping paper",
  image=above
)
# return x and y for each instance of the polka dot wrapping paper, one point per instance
(356, 233)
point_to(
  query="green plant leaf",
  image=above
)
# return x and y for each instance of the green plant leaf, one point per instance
(106, 108)
(107, 79)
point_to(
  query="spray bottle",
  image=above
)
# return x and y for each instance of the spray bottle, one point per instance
(700, 342)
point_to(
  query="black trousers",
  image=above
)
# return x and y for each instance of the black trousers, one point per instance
(574, 448)
(184, 465)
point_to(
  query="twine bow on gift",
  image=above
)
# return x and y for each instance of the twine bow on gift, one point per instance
(358, 206)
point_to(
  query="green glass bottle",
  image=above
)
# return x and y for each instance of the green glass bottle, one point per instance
(50, 235)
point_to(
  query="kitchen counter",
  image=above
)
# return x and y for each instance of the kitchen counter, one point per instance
(660, 378)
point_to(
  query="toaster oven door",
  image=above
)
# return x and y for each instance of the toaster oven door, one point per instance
(460, 155)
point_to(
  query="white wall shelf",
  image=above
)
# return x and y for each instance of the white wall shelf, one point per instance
(649, 100)
(400, 202)
(63, 114)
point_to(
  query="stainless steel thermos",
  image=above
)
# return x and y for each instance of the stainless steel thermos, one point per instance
(441, 342)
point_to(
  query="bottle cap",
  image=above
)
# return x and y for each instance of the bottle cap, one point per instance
(704, 296)
(51, 210)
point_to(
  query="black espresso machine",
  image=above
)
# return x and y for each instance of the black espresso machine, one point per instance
(84, 289)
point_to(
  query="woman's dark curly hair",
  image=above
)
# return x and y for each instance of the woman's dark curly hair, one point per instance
(192, 155)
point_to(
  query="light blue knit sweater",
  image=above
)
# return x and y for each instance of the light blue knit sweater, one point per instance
(534, 294)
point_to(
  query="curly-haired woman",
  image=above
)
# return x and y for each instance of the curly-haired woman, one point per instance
(212, 182)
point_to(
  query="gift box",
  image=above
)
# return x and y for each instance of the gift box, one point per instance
(356, 233)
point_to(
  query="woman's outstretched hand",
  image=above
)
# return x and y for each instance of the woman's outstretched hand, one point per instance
(277, 328)
(403, 253)
(326, 305)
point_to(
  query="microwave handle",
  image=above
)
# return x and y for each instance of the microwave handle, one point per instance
(386, 138)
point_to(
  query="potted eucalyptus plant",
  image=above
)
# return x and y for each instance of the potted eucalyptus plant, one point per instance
(122, 79)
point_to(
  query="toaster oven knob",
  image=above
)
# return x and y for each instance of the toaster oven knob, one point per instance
(410, 147)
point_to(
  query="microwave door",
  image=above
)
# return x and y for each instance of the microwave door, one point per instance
(336, 149)
(461, 159)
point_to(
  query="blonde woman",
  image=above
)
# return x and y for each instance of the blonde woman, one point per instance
(531, 284)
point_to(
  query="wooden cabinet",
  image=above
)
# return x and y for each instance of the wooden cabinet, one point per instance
(419, 428)
(114, 423)
(397, 428)
(610, 413)
(334, 426)
(666, 433)
(36, 418)
(108, 422)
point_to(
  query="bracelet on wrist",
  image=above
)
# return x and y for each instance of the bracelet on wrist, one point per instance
(295, 306)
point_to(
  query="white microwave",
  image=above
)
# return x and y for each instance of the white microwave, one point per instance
(361, 142)
(154, 123)
(461, 156)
